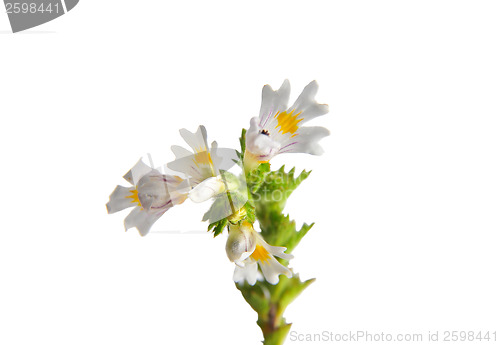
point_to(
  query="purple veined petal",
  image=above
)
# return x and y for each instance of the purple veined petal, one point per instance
(260, 144)
(203, 162)
(183, 165)
(202, 165)
(166, 205)
(306, 141)
(195, 172)
(266, 119)
(274, 101)
(155, 191)
(287, 147)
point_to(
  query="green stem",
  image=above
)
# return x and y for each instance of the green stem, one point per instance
(270, 302)
(273, 325)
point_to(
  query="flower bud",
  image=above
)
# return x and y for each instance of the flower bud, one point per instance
(241, 242)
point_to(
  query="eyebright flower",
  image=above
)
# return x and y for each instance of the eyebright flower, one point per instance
(247, 249)
(200, 166)
(279, 128)
(151, 195)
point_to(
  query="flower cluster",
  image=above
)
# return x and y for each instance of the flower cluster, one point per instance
(201, 174)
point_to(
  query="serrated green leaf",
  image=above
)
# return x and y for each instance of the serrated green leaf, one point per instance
(270, 301)
(293, 290)
(256, 177)
(220, 227)
(255, 297)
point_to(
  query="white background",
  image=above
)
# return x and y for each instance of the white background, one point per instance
(406, 199)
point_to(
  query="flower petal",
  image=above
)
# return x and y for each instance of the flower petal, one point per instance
(249, 273)
(273, 101)
(271, 269)
(120, 199)
(307, 106)
(184, 165)
(180, 152)
(261, 145)
(138, 170)
(200, 164)
(197, 140)
(306, 141)
(141, 220)
(207, 189)
(278, 251)
(153, 191)
(240, 243)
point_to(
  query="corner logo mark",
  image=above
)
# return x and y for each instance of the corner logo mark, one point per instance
(26, 14)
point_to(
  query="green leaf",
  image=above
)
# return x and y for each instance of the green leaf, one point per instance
(274, 189)
(293, 289)
(255, 297)
(295, 238)
(250, 210)
(218, 226)
(256, 177)
(242, 140)
(270, 302)
(243, 147)
(269, 191)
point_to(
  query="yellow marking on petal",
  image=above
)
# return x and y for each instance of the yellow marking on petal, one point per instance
(204, 158)
(134, 196)
(178, 179)
(260, 254)
(252, 161)
(288, 122)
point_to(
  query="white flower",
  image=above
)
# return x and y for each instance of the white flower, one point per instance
(241, 243)
(247, 249)
(151, 195)
(279, 128)
(207, 189)
(201, 166)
